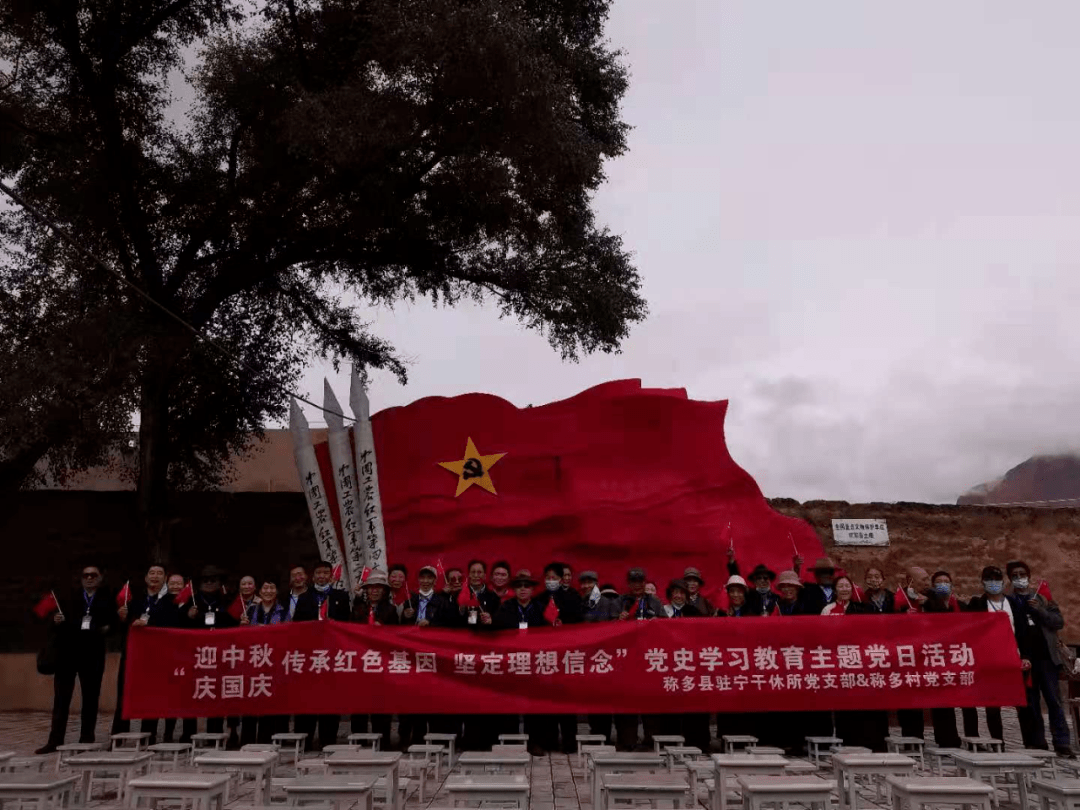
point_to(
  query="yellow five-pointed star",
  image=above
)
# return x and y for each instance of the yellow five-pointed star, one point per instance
(473, 469)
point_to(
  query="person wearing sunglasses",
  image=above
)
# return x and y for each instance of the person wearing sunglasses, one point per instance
(81, 625)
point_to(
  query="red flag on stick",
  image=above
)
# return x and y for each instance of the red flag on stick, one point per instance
(441, 571)
(857, 593)
(124, 596)
(187, 593)
(236, 609)
(901, 594)
(1044, 591)
(324, 609)
(551, 612)
(364, 575)
(371, 614)
(726, 534)
(335, 575)
(48, 605)
(471, 601)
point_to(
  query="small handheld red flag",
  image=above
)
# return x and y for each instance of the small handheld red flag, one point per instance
(124, 596)
(408, 596)
(441, 571)
(335, 575)
(1044, 591)
(371, 614)
(187, 593)
(46, 606)
(324, 609)
(551, 612)
(364, 575)
(470, 600)
(794, 547)
(775, 609)
(901, 598)
(236, 609)
(726, 534)
(856, 593)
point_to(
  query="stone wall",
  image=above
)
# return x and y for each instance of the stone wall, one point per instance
(960, 540)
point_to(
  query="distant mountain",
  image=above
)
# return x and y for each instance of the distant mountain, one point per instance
(1040, 478)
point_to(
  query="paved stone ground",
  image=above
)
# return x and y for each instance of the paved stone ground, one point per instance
(557, 783)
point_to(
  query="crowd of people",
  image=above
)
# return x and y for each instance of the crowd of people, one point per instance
(477, 598)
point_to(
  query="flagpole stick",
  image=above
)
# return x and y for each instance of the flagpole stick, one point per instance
(57, 602)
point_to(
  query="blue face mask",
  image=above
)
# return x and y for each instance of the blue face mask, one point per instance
(993, 586)
(943, 589)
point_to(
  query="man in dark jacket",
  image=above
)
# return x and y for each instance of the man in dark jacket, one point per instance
(322, 600)
(81, 625)
(637, 606)
(1040, 620)
(208, 610)
(597, 607)
(523, 612)
(760, 598)
(150, 607)
(817, 594)
(377, 608)
(420, 610)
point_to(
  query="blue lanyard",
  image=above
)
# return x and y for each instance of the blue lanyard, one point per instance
(89, 601)
(421, 608)
(523, 612)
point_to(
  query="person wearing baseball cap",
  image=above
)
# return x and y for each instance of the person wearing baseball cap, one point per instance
(637, 605)
(817, 594)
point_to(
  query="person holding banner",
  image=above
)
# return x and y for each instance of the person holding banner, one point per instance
(568, 609)
(637, 605)
(81, 624)
(299, 593)
(762, 599)
(263, 611)
(693, 726)
(500, 580)
(878, 598)
(377, 609)
(206, 611)
(692, 577)
(789, 585)
(940, 599)
(523, 612)
(597, 607)
(993, 600)
(154, 608)
(817, 594)
(420, 610)
(476, 607)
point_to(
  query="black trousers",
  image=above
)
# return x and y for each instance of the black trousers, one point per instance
(89, 669)
(119, 724)
(994, 727)
(601, 724)
(328, 728)
(214, 725)
(945, 735)
(695, 730)
(912, 722)
(380, 724)
(481, 731)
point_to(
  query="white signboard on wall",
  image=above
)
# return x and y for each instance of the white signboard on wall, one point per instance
(860, 532)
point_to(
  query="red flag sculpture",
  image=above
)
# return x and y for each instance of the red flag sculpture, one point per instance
(594, 480)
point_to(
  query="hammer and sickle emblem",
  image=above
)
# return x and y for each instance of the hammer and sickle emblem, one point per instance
(473, 469)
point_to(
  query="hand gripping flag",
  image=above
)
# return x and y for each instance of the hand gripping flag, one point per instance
(237, 608)
(551, 611)
(471, 601)
(46, 606)
(124, 596)
(1044, 591)
(187, 593)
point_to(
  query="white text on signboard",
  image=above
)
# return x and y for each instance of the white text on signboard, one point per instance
(862, 532)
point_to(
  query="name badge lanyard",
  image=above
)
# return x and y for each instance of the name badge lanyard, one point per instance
(523, 613)
(89, 600)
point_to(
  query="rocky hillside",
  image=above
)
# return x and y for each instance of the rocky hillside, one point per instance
(1051, 479)
(961, 540)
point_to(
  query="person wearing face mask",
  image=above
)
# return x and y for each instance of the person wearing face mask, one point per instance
(940, 599)
(761, 599)
(570, 607)
(992, 600)
(877, 598)
(597, 607)
(1040, 620)
(322, 601)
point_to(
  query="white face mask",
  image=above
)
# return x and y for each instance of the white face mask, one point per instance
(426, 593)
(552, 584)
(594, 596)
(1020, 583)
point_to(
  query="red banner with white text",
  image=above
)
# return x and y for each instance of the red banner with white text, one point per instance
(700, 665)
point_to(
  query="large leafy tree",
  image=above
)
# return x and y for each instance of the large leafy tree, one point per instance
(333, 151)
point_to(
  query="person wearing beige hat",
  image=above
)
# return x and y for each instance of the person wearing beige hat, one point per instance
(376, 609)
(789, 586)
(817, 594)
(694, 581)
(736, 593)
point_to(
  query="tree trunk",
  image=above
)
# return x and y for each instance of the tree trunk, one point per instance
(153, 487)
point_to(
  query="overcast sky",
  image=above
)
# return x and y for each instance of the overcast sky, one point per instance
(859, 222)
